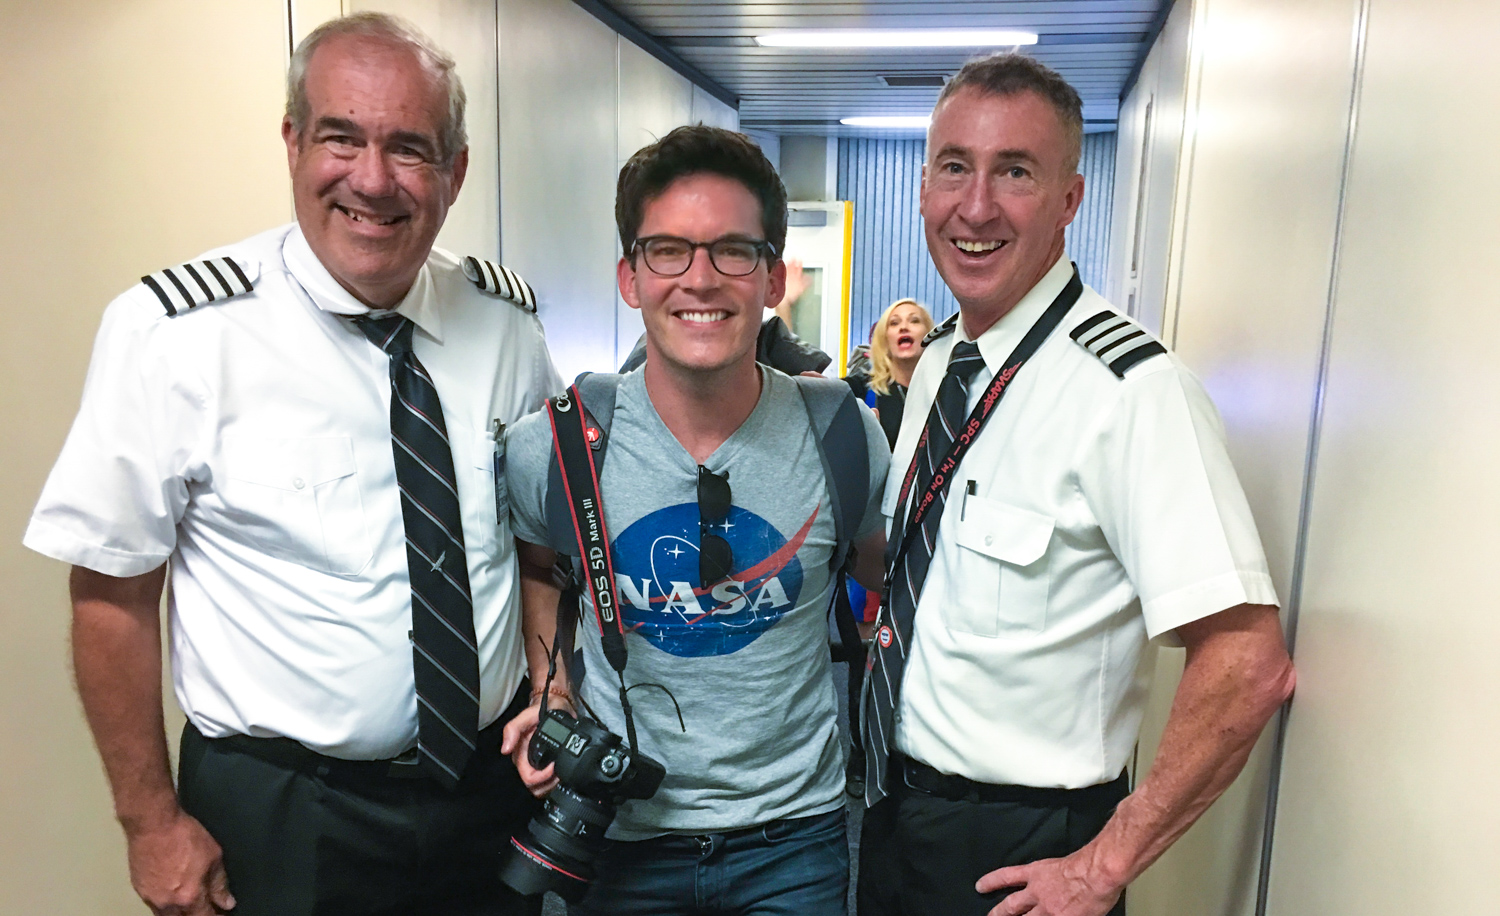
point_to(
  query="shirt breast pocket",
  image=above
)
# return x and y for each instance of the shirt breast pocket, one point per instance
(299, 500)
(483, 513)
(1003, 576)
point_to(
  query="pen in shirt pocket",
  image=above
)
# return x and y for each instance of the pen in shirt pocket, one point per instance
(963, 508)
(498, 433)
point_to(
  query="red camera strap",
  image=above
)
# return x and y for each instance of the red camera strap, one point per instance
(572, 432)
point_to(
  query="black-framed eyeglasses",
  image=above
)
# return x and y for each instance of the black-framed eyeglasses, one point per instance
(715, 558)
(671, 256)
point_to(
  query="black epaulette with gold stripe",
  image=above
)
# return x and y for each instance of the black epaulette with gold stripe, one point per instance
(1117, 341)
(501, 281)
(187, 286)
(941, 330)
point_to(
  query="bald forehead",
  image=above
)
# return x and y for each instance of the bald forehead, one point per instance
(402, 67)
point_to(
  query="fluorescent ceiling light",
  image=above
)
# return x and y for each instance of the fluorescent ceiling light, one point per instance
(917, 121)
(895, 38)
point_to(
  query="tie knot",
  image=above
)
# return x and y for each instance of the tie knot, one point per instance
(965, 360)
(391, 333)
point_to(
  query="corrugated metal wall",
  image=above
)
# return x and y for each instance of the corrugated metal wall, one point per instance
(1088, 236)
(881, 177)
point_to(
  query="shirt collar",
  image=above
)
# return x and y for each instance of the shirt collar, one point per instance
(997, 342)
(419, 304)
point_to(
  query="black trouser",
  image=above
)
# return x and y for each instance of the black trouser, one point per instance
(924, 846)
(318, 836)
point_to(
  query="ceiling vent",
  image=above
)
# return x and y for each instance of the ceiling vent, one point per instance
(913, 80)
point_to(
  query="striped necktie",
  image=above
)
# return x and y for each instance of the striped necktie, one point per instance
(445, 658)
(904, 584)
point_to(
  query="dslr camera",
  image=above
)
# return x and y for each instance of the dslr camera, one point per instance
(596, 772)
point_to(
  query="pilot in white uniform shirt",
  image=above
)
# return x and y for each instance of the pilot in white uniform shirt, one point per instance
(247, 440)
(1093, 513)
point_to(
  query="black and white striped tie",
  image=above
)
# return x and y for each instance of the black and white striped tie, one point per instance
(445, 657)
(904, 582)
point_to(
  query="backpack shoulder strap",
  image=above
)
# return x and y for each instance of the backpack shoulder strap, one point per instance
(598, 391)
(839, 432)
(833, 411)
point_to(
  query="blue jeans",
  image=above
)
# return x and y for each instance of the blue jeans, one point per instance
(792, 867)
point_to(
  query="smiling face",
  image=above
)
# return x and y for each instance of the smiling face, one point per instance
(996, 195)
(702, 322)
(904, 331)
(370, 189)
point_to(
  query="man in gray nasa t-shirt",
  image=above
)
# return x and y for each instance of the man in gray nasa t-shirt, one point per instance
(750, 814)
(747, 660)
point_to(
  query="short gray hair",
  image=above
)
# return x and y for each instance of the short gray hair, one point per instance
(1009, 73)
(452, 137)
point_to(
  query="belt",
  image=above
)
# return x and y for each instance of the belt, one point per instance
(925, 779)
(294, 755)
(706, 843)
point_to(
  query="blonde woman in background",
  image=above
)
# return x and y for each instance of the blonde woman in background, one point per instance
(895, 347)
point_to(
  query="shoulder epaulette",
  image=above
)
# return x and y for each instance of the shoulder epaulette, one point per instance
(196, 283)
(946, 327)
(501, 281)
(1117, 341)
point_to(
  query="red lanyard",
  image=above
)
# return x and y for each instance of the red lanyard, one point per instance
(942, 474)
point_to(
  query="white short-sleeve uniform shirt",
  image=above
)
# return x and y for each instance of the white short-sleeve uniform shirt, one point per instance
(248, 442)
(1092, 513)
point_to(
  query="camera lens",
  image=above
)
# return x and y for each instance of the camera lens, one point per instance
(558, 855)
(595, 775)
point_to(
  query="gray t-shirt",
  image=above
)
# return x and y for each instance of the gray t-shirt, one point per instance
(748, 660)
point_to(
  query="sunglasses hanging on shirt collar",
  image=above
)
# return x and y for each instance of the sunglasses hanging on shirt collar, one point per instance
(715, 558)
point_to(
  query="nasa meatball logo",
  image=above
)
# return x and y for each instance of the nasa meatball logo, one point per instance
(656, 575)
(884, 636)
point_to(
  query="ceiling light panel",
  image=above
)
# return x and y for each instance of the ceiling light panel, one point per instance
(916, 122)
(895, 38)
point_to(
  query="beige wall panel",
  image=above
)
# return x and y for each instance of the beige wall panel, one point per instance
(558, 138)
(309, 14)
(1129, 147)
(140, 134)
(1165, 78)
(1389, 796)
(1253, 265)
(466, 30)
(654, 98)
(709, 110)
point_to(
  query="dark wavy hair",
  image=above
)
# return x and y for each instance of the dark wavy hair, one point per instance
(694, 150)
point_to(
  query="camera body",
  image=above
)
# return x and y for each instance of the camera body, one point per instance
(596, 772)
(592, 760)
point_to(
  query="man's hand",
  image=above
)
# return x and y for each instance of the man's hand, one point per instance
(515, 740)
(1236, 675)
(797, 283)
(540, 590)
(178, 869)
(1052, 887)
